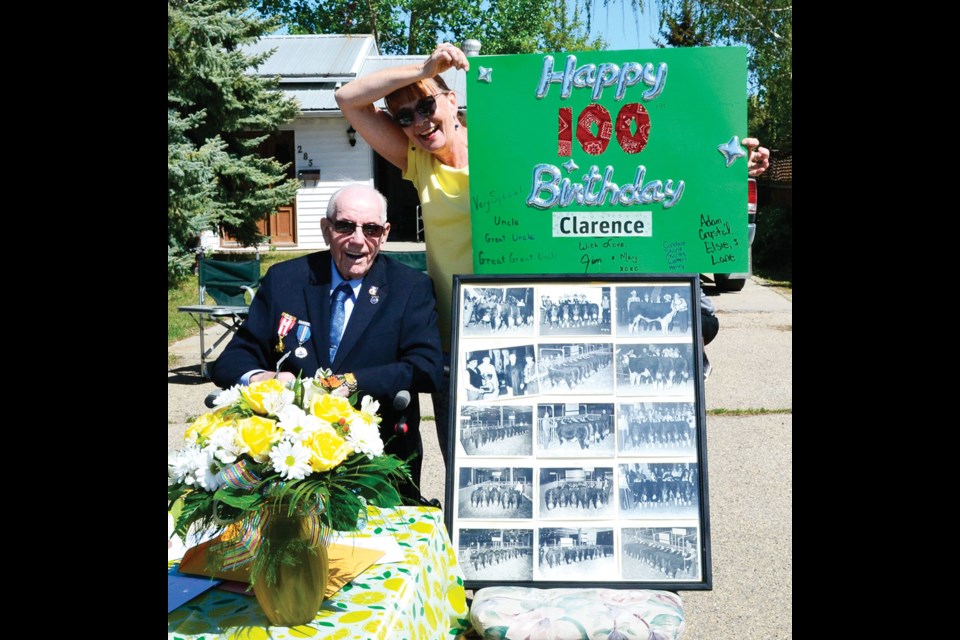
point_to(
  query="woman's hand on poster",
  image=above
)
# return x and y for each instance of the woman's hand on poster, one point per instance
(758, 158)
(443, 57)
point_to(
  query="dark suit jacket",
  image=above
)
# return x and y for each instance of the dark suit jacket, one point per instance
(390, 345)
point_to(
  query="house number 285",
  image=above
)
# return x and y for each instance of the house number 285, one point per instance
(305, 155)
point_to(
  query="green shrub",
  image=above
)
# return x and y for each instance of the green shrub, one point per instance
(773, 245)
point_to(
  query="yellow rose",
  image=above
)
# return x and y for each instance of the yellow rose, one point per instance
(256, 435)
(204, 426)
(327, 448)
(331, 409)
(257, 392)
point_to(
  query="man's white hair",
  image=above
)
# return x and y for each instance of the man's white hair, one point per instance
(332, 203)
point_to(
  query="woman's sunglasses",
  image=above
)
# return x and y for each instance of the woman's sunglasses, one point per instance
(426, 107)
(346, 227)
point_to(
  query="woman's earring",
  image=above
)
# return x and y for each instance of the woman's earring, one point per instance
(456, 125)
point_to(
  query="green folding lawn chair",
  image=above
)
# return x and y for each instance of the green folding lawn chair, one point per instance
(414, 259)
(231, 285)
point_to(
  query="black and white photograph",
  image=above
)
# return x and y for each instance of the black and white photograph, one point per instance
(574, 493)
(497, 311)
(567, 553)
(495, 374)
(660, 553)
(576, 368)
(577, 399)
(655, 369)
(496, 554)
(495, 492)
(575, 311)
(657, 429)
(659, 490)
(575, 429)
(654, 310)
(502, 430)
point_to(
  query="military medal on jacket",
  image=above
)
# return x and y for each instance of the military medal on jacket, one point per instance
(303, 334)
(287, 322)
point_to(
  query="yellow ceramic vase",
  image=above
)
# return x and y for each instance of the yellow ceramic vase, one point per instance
(291, 584)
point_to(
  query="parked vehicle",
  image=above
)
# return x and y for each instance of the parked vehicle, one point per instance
(727, 282)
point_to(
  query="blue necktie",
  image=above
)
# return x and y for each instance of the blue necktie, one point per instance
(337, 314)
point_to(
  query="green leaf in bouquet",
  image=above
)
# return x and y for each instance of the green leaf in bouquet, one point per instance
(239, 498)
(175, 492)
(305, 496)
(298, 390)
(343, 510)
(240, 409)
(194, 506)
(378, 491)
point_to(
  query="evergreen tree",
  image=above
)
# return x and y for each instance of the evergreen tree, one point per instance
(215, 178)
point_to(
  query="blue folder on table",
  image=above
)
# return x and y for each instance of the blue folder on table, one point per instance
(183, 588)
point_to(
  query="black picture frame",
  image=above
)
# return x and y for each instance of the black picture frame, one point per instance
(577, 454)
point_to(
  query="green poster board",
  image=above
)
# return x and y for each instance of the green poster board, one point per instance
(609, 161)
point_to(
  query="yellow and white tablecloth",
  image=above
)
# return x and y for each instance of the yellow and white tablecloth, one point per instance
(417, 599)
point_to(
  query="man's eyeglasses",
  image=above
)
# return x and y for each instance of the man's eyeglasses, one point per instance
(426, 107)
(347, 227)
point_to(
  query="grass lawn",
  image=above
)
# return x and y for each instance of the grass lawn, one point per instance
(182, 325)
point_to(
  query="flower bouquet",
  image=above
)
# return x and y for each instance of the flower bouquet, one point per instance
(284, 465)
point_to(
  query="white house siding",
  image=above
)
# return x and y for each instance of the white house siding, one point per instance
(324, 140)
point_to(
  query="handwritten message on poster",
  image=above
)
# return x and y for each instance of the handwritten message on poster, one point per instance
(609, 161)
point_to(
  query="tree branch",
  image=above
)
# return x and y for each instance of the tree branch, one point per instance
(758, 21)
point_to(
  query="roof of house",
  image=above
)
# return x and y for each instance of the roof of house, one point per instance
(312, 67)
(313, 58)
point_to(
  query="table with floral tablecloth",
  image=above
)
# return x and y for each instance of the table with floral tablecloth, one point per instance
(421, 597)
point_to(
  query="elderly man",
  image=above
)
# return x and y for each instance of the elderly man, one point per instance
(352, 310)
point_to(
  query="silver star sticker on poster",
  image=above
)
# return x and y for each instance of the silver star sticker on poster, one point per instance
(732, 150)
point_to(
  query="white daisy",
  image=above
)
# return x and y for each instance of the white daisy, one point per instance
(181, 465)
(364, 436)
(289, 417)
(225, 445)
(310, 423)
(206, 473)
(369, 406)
(291, 460)
(297, 424)
(227, 396)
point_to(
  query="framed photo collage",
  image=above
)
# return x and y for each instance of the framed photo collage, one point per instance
(577, 454)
